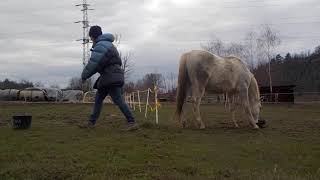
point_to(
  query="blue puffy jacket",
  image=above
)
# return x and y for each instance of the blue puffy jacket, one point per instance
(99, 50)
(106, 61)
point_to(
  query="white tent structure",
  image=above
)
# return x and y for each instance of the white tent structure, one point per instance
(9, 95)
(53, 94)
(33, 94)
(89, 97)
(74, 96)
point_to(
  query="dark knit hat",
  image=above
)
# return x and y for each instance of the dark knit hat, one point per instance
(95, 31)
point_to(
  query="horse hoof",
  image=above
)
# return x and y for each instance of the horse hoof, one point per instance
(261, 123)
(184, 124)
(256, 127)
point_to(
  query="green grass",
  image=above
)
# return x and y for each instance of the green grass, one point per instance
(55, 148)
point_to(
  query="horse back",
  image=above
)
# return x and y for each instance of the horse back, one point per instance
(199, 66)
(229, 75)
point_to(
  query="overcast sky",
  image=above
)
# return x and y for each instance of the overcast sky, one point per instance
(37, 37)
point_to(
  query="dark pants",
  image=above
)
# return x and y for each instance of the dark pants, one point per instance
(116, 95)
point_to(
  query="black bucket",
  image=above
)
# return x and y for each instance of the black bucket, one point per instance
(21, 122)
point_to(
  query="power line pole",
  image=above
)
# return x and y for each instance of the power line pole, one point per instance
(85, 39)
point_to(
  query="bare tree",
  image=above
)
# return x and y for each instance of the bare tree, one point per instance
(171, 82)
(140, 85)
(153, 79)
(215, 46)
(236, 49)
(317, 50)
(127, 64)
(117, 40)
(39, 84)
(55, 86)
(251, 49)
(126, 57)
(267, 42)
(9, 84)
(75, 83)
(129, 87)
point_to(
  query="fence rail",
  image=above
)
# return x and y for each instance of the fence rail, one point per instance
(273, 98)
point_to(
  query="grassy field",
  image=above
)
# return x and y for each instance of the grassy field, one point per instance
(55, 148)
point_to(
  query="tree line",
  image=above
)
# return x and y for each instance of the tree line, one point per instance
(270, 69)
(301, 70)
(10, 84)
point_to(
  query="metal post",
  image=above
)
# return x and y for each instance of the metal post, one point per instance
(85, 33)
(156, 102)
(145, 114)
(139, 101)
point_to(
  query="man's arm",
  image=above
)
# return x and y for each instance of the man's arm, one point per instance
(96, 55)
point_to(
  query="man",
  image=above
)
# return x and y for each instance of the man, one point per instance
(106, 61)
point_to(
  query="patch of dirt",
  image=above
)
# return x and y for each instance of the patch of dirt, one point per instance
(72, 119)
(3, 122)
(113, 115)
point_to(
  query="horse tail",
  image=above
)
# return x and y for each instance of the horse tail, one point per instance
(254, 93)
(182, 86)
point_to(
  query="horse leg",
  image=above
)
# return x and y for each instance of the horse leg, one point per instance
(183, 119)
(246, 105)
(196, 111)
(226, 100)
(197, 94)
(232, 109)
(234, 120)
(233, 116)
